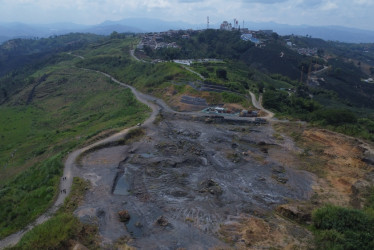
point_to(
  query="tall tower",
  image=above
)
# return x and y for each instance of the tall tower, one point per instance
(207, 23)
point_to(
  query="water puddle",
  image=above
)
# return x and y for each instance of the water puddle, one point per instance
(122, 185)
(146, 156)
(134, 226)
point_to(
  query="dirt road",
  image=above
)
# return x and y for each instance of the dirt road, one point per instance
(258, 105)
(132, 54)
(66, 183)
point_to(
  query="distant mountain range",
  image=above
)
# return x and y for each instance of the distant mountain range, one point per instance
(332, 33)
(139, 25)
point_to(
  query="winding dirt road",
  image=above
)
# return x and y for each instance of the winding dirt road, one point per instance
(70, 164)
(258, 105)
(132, 54)
(66, 183)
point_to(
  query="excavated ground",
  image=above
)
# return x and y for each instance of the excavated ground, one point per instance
(196, 184)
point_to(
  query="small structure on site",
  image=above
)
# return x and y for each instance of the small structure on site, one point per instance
(248, 113)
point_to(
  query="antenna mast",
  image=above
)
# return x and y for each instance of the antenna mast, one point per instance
(207, 23)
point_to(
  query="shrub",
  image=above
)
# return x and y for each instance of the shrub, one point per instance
(221, 73)
(335, 116)
(64, 229)
(53, 234)
(343, 228)
(232, 98)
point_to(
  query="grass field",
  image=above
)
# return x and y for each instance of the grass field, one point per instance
(68, 108)
(61, 231)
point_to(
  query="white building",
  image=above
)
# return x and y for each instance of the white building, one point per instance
(226, 26)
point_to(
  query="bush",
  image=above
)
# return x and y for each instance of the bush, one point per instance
(343, 228)
(232, 98)
(64, 229)
(53, 234)
(221, 73)
(335, 116)
(277, 100)
(29, 194)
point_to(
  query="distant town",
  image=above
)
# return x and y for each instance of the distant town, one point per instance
(156, 41)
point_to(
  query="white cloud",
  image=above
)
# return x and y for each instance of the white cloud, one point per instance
(356, 13)
(329, 6)
(364, 2)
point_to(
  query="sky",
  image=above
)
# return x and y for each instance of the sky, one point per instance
(350, 13)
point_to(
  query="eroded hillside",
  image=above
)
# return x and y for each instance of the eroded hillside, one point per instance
(195, 181)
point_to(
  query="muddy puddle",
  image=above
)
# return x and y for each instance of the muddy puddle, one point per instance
(184, 180)
(122, 185)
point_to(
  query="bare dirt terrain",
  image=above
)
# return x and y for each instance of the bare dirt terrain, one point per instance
(194, 183)
(207, 182)
(343, 166)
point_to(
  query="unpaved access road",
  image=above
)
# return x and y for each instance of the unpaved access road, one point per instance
(258, 105)
(70, 165)
(70, 169)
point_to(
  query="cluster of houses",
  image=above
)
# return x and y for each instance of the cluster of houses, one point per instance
(249, 37)
(156, 41)
(306, 51)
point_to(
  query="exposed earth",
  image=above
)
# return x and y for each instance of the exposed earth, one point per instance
(194, 181)
(213, 184)
(198, 182)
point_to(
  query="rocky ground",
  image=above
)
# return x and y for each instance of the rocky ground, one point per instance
(196, 183)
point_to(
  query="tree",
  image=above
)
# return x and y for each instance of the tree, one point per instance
(275, 36)
(5, 93)
(335, 116)
(260, 86)
(221, 73)
(148, 51)
(114, 35)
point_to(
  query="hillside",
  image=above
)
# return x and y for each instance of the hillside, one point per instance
(57, 109)
(199, 171)
(349, 62)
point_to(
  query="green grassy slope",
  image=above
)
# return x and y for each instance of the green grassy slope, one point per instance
(66, 109)
(64, 229)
